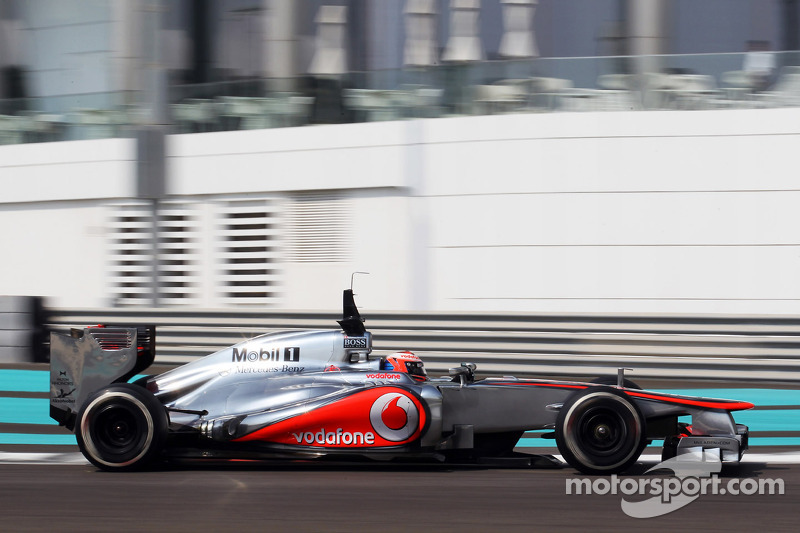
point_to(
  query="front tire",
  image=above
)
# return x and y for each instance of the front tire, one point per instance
(122, 427)
(600, 431)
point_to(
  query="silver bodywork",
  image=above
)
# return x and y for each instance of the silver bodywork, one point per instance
(313, 393)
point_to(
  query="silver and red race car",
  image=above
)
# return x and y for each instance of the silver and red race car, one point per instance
(323, 394)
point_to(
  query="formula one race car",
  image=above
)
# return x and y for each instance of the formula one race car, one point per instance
(314, 394)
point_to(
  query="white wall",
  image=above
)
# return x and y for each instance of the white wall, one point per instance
(640, 212)
(686, 212)
(56, 250)
(54, 217)
(74, 170)
(349, 156)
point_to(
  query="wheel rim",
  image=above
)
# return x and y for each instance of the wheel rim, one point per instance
(601, 432)
(117, 430)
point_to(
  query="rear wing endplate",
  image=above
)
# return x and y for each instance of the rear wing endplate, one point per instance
(89, 359)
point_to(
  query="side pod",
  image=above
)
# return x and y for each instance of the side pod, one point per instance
(89, 359)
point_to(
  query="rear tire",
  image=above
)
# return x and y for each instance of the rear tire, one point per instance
(122, 427)
(600, 431)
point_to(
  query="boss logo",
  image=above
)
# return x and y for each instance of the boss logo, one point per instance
(355, 342)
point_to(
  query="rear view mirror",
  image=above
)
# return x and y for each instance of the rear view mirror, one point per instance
(464, 373)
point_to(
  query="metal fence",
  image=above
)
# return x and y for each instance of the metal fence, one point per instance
(670, 346)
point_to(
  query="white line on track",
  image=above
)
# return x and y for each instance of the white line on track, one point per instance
(784, 458)
(75, 458)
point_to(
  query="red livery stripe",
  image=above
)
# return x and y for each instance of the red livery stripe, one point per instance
(708, 403)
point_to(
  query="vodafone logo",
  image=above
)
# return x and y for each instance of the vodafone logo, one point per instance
(385, 416)
(383, 376)
(394, 416)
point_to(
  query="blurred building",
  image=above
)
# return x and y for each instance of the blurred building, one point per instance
(510, 155)
(80, 51)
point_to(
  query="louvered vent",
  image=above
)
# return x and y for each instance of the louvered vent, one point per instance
(178, 255)
(319, 228)
(111, 339)
(248, 235)
(131, 233)
(134, 270)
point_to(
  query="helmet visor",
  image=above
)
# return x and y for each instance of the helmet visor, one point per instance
(416, 368)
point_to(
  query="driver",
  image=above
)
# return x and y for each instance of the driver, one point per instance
(407, 363)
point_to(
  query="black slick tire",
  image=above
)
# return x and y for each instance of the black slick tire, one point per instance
(599, 430)
(122, 427)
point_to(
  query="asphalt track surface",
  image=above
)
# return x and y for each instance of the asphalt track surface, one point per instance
(373, 497)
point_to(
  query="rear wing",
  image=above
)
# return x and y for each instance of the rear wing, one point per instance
(89, 359)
